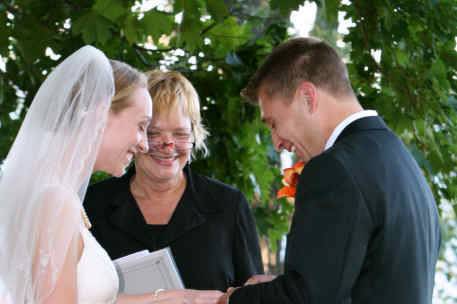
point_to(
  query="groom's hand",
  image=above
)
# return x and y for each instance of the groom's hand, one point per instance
(259, 278)
(223, 299)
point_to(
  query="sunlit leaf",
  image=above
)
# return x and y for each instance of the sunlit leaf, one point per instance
(131, 29)
(111, 9)
(157, 23)
(93, 28)
(285, 7)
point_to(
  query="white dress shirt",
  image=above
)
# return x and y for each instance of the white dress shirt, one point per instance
(346, 122)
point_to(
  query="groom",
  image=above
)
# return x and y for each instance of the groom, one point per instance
(365, 228)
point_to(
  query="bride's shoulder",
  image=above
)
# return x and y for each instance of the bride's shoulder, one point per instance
(59, 197)
(58, 191)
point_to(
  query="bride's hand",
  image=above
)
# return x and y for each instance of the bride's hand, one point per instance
(187, 296)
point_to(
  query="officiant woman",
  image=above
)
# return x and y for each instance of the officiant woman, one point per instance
(161, 202)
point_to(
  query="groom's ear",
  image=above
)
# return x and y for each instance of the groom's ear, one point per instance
(306, 92)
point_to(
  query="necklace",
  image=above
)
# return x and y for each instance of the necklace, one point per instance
(86, 220)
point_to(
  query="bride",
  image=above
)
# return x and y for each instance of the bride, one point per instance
(81, 120)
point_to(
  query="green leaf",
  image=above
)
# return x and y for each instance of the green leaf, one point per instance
(217, 9)
(402, 58)
(131, 29)
(387, 18)
(331, 11)
(192, 7)
(191, 26)
(179, 5)
(32, 37)
(5, 32)
(438, 70)
(93, 28)
(285, 7)
(98, 176)
(111, 9)
(190, 31)
(157, 23)
(420, 158)
(228, 35)
(2, 89)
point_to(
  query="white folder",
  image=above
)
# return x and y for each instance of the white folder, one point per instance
(144, 272)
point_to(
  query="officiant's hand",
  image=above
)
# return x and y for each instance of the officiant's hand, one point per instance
(188, 296)
(259, 278)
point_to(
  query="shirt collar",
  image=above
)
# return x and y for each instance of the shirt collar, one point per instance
(347, 121)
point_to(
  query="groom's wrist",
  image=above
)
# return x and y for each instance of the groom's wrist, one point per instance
(230, 293)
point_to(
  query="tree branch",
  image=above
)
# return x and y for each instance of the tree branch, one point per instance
(143, 49)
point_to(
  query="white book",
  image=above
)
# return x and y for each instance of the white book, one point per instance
(144, 272)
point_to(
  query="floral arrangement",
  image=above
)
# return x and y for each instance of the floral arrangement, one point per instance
(290, 180)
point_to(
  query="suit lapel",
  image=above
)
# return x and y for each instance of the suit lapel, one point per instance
(187, 215)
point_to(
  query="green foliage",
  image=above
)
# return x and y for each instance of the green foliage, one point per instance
(285, 7)
(110, 9)
(221, 47)
(157, 23)
(93, 27)
(217, 9)
(413, 85)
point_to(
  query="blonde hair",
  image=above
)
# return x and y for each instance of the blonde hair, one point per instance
(126, 80)
(171, 89)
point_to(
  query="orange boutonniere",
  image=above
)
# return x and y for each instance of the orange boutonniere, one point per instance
(290, 180)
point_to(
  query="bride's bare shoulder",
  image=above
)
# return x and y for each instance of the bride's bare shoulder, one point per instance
(58, 198)
(58, 191)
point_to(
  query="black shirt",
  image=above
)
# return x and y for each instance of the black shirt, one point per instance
(211, 233)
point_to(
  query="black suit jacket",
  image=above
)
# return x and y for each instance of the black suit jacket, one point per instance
(212, 233)
(365, 227)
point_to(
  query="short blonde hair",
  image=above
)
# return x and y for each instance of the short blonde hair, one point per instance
(126, 79)
(171, 89)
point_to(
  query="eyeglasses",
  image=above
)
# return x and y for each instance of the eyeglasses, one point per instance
(181, 139)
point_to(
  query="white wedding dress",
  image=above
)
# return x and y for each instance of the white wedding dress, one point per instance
(96, 276)
(97, 280)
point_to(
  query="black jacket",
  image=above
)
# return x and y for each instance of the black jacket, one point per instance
(212, 233)
(365, 228)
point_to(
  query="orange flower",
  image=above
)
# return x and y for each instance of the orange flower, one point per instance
(290, 180)
(286, 192)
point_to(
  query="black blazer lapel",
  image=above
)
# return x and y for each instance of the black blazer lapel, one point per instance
(187, 215)
(127, 217)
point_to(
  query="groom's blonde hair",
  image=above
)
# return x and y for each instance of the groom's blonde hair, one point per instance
(126, 80)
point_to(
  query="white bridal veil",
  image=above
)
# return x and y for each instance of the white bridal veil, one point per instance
(46, 173)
